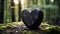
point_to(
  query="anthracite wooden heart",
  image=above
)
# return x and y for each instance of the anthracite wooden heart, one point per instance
(32, 19)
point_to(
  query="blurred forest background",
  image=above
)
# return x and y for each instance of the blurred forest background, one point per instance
(10, 10)
(10, 16)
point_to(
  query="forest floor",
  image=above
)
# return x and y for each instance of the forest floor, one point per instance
(22, 29)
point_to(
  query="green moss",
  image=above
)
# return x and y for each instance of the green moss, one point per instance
(55, 30)
(51, 30)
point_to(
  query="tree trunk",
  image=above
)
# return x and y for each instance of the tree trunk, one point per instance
(12, 11)
(19, 10)
(7, 11)
(1, 11)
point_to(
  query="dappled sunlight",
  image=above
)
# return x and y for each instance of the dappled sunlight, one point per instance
(22, 2)
(16, 1)
(18, 23)
(52, 0)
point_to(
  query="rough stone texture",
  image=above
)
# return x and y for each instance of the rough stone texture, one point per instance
(32, 19)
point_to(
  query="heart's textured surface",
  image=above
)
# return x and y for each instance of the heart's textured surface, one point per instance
(32, 19)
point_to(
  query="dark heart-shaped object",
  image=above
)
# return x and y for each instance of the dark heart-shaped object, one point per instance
(32, 19)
